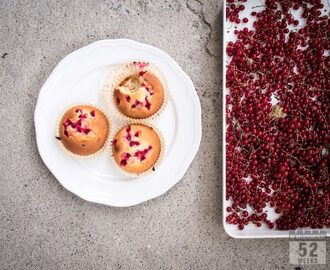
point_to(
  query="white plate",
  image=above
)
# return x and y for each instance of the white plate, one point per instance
(250, 231)
(77, 79)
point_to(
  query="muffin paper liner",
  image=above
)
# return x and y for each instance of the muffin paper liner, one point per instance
(160, 157)
(119, 73)
(106, 143)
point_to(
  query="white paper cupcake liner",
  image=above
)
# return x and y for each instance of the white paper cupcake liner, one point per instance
(106, 143)
(160, 157)
(119, 73)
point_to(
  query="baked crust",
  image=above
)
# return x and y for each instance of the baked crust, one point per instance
(136, 148)
(84, 130)
(139, 96)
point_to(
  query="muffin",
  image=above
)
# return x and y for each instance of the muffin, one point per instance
(136, 148)
(83, 130)
(140, 94)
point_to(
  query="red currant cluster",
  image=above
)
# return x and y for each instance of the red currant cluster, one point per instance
(278, 117)
(233, 9)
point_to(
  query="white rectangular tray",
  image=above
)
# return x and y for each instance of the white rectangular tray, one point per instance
(250, 231)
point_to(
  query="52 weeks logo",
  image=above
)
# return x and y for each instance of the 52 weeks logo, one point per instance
(307, 247)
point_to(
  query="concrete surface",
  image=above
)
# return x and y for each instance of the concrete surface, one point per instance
(43, 226)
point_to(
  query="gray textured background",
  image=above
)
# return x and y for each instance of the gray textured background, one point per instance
(43, 226)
